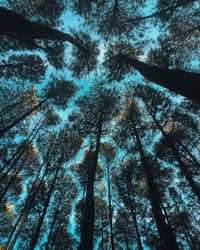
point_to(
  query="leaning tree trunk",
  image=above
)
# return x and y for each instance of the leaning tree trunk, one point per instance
(87, 230)
(133, 213)
(29, 203)
(35, 236)
(181, 82)
(20, 152)
(110, 209)
(14, 24)
(55, 216)
(161, 12)
(102, 222)
(9, 107)
(175, 152)
(168, 240)
(12, 179)
(21, 118)
(195, 161)
(24, 209)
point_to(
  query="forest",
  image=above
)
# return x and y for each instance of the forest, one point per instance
(99, 125)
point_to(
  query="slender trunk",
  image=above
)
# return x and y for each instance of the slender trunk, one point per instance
(110, 208)
(82, 207)
(29, 203)
(187, 233)
(12, 179)
(181, 82)
(102, 223)
(21, 118)
(19, 155)
(168, 240)
(35, 236)
(162, 12)
(8, 108)
(53, 222)
(133, 213)
(88, 219)
(21, 148)
(175, 152)
(23, 210)
(190, 155)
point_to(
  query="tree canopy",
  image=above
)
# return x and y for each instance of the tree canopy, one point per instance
(99, 124)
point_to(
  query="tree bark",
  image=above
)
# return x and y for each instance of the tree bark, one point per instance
(53, 222)
(20, 152)
(21, 118)
(28, 205)
(8, 108)
(133, 213)
(175, 152)
(14, 24)
(181, 82)
(12, 179)
(102, 223)
(88, 218)
(168, 240)
(110, 209)
(35, 236)
(160, 13)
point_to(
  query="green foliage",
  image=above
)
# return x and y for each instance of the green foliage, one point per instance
(84, 61)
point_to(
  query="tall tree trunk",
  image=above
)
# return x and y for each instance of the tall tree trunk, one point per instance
(24, 209)
(20, 153)
(21, 118)
(12, 179)
(35, 236)
(82, 206)
(88, 219)
(9, 107)
(168, 240)
(12, 23)
(102, 223)
(187, 232)
(181, 82)
(21, 148)
(28, 205)
(162, 12)
(110, 208)
(133, 213)
(175, 152)
(190, 155)
(53, 222)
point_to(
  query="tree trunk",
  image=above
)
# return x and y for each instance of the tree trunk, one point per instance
(82, 207)
(110, 209)
(53, 222)
(139, 242)
(20, 152)
(24, 209)
(21, 118)
(14, 24)
(181, 82)
(175, 152)
(35, 236)
(8, 108)
(12, 179)
(187, 233)
(88, 219)
(102, 223)
(25, 212)
(190, 154)
(162, 12)
(168, 240)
